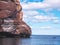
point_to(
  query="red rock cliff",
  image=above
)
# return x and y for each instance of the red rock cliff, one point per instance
(11, 16)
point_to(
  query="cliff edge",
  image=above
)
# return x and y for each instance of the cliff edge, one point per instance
(11, 23)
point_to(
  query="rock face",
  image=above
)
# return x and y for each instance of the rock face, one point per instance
(11, 22)
(6, 9)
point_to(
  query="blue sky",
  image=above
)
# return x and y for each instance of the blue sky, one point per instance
(43, 16)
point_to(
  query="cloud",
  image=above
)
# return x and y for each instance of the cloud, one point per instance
(53, 3)
(45, 27)
(30, 12)
(46, 4)
(44, 18)
(34, 5)
(35, 16)
(56, 21)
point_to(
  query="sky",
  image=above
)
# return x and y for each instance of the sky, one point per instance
(43, 16)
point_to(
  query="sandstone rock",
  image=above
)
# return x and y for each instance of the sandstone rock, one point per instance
(11, 23)
(6, 8)
(23, 29)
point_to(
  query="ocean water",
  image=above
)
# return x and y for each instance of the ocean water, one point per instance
(33, 40)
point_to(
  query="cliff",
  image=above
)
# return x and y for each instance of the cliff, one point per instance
(11, 22)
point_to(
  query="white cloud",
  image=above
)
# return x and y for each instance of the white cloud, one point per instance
(35, 16)
(46, 4)
(53, 3)
(43, 18)
(31, 12)
(31, 15)
(35, 5)
(56, 21)
(45, 27)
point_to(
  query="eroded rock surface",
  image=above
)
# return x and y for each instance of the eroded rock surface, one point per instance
(11, 16)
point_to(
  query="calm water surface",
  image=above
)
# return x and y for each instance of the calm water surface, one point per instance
(34, 40)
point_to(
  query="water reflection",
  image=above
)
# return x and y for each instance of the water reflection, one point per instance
(15, 41)
(34, 40)
(9, 41)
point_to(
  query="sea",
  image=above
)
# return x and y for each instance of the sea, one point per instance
(33, 40)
